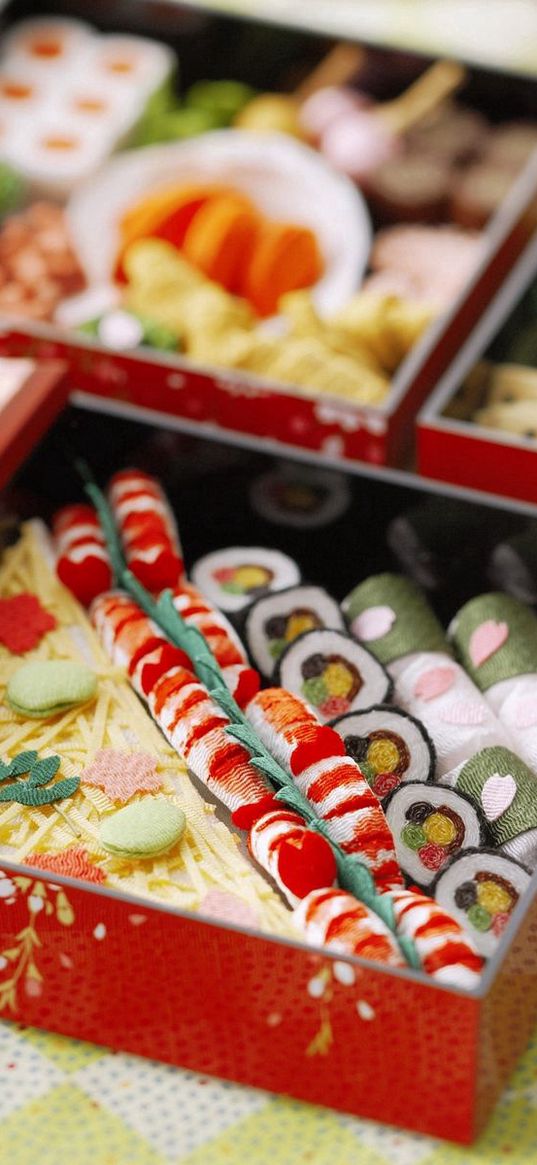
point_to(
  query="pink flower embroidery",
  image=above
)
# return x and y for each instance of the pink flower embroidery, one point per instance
(122, 774)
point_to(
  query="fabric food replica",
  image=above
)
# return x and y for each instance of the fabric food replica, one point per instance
(377, 848)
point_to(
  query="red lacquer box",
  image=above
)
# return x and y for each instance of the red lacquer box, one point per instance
(465, 453)
(387, 1045)
(231, 403)
(31, 396)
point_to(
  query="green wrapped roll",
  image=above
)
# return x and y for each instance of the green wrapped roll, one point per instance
(495, 638)
(389, 614)
(505, 790)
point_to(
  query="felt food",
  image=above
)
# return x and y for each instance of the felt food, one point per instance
(333, 673)
(444, 947)
(82, 561)
(233, 577)
(43, 688)
(298, 859)
(145, 829)
(148, 530)
(275, 621)
(284, 258)
(390, 746)
(481, 890)
(222, 239)
(91, 743)
(332, 918)
(291, 730)
(275, 173)
(430, 825)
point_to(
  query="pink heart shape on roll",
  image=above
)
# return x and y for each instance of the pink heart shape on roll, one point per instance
(373, 623)
(464, 713)
(497, 795)
(486, 640)
(434, 682)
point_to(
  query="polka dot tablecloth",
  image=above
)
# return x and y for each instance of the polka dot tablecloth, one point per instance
(65, 1101)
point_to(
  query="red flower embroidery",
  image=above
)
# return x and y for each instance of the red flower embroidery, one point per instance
(23, 622)
(74, 863)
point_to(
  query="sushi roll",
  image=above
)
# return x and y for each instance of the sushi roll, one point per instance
(56, 154)
(82, 561)
(390, 747)
(334, 919)
(233, 577)
(431, 824)
(298, 859)
(300, 497)
(46, 44)
(274, 621)
(481, 888)
(333, 673)
(137, 64)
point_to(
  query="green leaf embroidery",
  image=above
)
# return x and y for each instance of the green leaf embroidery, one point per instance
(32, 791)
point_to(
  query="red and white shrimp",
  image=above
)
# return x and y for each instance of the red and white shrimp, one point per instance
(195, 726)
(241, 679)
(148, 531)
(331, 781)
(291, 731)
(445, 950)
(297, 857)
(334, 919)
(82, 561)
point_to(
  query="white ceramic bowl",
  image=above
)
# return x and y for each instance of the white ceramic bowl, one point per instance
(285, 179)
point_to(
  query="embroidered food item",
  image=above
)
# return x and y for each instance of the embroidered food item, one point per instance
(122, 774)
(148, 531)
(333, 673)
(242, 680)
(504, 789)
(390, 746)
(299, 859)
(430, 825)
(495, 637)
(332, 918)
(446, 950)
(23, 622)
(233, 578)
(481, 890)
(46, 688)
(30, 780)
(82, 561)
(428, 682)
(73, 863)
(275, 621)
(144, 829)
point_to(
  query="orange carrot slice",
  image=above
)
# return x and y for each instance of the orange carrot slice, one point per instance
(221, 238)
(285, 258)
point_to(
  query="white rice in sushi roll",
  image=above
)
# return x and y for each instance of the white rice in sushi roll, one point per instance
(430, 824)
(390, 746)
(232, 578)
(274, 622)
(480, 888)
(333, 673)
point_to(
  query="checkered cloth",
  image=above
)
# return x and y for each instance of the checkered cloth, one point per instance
(62, 1100)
